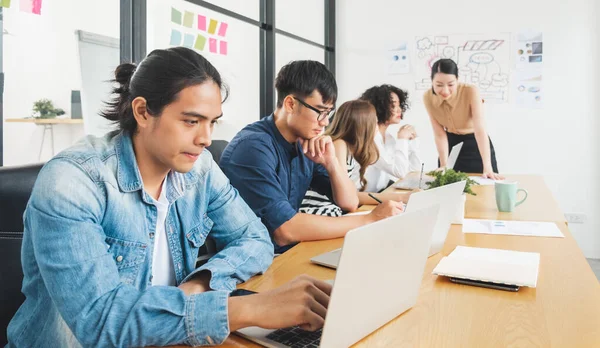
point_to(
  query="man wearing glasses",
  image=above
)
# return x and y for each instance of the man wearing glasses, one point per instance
(274, 161)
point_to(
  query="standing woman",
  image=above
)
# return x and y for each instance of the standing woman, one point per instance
(456, 113)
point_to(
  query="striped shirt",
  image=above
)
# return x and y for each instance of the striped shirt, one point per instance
(318, 204)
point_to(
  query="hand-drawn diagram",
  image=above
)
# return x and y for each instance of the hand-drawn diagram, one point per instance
(483, 60)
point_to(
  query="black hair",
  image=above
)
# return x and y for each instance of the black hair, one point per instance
(380, 97)
(302, 77)
(444, 66)
(158, 78)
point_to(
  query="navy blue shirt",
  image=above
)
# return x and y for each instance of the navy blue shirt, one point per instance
(271, 174)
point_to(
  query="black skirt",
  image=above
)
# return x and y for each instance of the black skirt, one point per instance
(469, 158)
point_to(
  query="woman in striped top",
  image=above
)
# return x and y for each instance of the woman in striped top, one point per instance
(353, 132)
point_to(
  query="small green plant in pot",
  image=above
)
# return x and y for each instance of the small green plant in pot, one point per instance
(44, 108)
(450, 176)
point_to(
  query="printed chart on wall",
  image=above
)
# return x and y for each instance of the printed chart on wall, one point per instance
(528, 73)
(483, 60)
(398, 59)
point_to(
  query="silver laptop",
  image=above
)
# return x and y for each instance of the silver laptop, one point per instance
(413, 180)
(379, 276)
(454, 155)
(447, 196)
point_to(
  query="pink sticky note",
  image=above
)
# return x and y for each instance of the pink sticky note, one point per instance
(202, 22)
(31, 6)
(223, 47)
(212, 45)
(222, 29)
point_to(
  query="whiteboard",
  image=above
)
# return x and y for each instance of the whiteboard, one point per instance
(483, 60)
(98, 59)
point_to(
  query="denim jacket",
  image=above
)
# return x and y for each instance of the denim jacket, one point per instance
(87, 252)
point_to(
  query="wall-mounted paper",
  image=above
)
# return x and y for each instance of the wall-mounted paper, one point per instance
(223, 48)
(200, 43)
(223, 29)
(397, 60)
(212, 27)
(483, 60)
(175, 16)
(5, 3)
(188, 19)
(31, 6)
(212, 45)
(202, 22)
(175, 38)
(188, 40)
(528, 52)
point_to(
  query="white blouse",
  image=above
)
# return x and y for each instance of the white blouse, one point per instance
(397, 157)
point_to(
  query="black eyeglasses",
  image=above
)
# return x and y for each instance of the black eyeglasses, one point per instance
(322, 113)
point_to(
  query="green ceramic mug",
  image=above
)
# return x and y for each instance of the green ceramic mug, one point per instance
(506, 195)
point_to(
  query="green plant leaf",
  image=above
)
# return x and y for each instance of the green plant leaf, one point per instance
(450, 176)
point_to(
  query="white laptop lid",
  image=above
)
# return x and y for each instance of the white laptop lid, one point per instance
(447, 197)
(453, 156)
(379, 275)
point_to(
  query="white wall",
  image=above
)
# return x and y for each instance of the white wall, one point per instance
(558, 141)
(41, 61)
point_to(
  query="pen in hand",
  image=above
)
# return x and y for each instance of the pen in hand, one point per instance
(375, 198)
(421, 177)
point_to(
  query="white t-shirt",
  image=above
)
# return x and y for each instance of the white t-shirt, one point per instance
(397, 157)
(163, 270)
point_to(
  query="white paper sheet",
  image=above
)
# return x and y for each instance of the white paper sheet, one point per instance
(484, 181)
(512, 228)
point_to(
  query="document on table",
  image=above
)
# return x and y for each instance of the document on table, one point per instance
(484, 181)
(491, 265)
(512, 228)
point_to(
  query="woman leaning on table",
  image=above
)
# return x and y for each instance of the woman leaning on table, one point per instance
(456, 114)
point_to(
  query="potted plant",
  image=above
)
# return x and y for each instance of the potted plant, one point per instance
(450, 176)
(44, 108)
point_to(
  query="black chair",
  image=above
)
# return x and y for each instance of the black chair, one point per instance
(16, 184)
(216, 149)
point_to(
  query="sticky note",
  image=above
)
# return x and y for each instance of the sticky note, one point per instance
(200, 43)
(175, 38)
(202, 22)
(175, 16)
(212, 45)
(223, 29)
(212, 27)
(188, 40)
(188, 19)
(223, 47)
(5, 3)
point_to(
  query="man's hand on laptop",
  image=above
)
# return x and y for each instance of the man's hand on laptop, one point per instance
(301, 302)
(386, 209)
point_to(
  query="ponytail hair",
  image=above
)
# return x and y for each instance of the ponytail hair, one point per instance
(158, 78)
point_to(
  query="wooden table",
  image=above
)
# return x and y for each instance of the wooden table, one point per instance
(48, 124)
(563, 311)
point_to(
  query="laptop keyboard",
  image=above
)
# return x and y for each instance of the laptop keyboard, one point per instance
(296, 337)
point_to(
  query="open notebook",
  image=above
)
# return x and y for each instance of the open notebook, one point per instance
(491, 265)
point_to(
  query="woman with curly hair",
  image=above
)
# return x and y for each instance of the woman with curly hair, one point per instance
(352, 131)
(398, 153)
(456, 114)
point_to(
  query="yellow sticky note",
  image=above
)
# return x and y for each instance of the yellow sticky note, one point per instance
(4, 3)
(212, 27)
